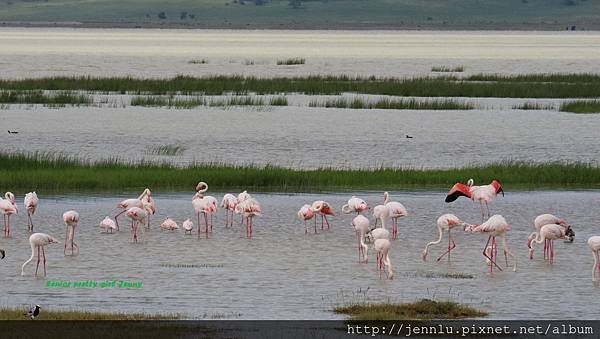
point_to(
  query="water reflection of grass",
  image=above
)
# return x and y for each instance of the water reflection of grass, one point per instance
(60, 173)
(422, 309)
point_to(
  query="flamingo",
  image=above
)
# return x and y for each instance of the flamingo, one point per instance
(361, 226)
(148, 205)
(546, 219)
(71, 218)
(305, 213)
(31, 201)
(382, 247)
(201, 188)
(213, 201)
(594, 244)
(445, 223)
(201, 204)
(241, 198)
(495, 226)
(108, 224)
(169, 224)
(228, 203)
(476, 193)
(137, 216)
(38, 241)
(548, 233)
(129, 203)
(188, 226)
(249, 208)
(323, 209)
(397, 210)
(8, 206)
(380, 212)
(355, 205)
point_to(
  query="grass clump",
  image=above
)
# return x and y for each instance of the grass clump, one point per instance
(198, 62)
(387, 103)
(447, 69)
(534, 106)
(166, 150)
(581, 106)
(420, 310)
(170, 102)
(39, 97)
(291, 61)
(45, 314)
(237, 101)
(278, 101)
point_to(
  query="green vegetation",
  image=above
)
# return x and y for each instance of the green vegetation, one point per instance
(448, 69)
(387, 103)
(55, 172)
(39, 97)
(171, 102)
(198, 62)
(278, 101)
(291, 61)
(534, 106)
(17, 314)
(237, 101)
(581, 106)
(520, 86)
(420, 310)
(166, 150)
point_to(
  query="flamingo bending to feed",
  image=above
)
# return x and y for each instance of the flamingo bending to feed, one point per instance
(594, 244)
(201, 204)
(495, 226)
(108, 224)
(380, 212)
(355, 205)
(382, 247)
(249, 208)
(548, 233)
(38, 241)
(323, 209)
(445, 223)
(138, 216)
(228, 203)
(8, 207)
(241, 198)
(361, 226)
(397, 210)
(188, 226)
(31, 201)
(129, 203)
(483, 194)
(169, 225)
(546, 219)
(71, 218)
(305, 213)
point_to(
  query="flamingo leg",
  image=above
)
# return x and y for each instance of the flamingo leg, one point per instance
(482, 213)
(211, 221)
(394, 228)
(451, 246)
(488, 209)
(322, 222)
(148, 222)
(507, 251)
(117, 220)
(44, 255)
(66, 240)
(491, 258)
(359, 247)
(198, 223)
(551, 251)
(38, 261)
(8, 227)
(30, 222)
(206, 225)
(4, 215)
(315, 220)
(326, 221)
(596, 265)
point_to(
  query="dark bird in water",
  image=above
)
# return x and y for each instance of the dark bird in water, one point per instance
(12, 132)
(408, 137)
(33, 312)
(2, 254)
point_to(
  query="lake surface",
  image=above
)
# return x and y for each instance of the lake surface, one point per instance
(283, 274)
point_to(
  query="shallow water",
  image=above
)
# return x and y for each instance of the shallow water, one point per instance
(283, 274)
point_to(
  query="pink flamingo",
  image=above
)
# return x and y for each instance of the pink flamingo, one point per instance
(8, 207)
(361, 226)
(201, 188)
(228, 203)
(550, 233)
(249, 208)
(495, 226)
(169, 225)
(546, 219)
(38, 241)
(594, 244)
(397, 210)
(323, 209)
(148, 205)
(71, 218)
(483, 194)
(31, 201)
(241, 198)
(205, 206)
(188, 226)
(382, 247)
(305, 213)
(445, 223)
(380, 212)
(355, 205)
(108, 224)
(129, 203)
(138, 216)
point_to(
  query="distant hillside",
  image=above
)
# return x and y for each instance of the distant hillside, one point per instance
(307, 14)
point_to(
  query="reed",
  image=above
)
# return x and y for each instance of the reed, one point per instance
(171, 150)
(387, 103)
(534, 106)
(581, 106)
(58, 172)
(39, 97)
(237, 101)
(198, 62)
(170, 102)
(291, 61)
(448, 69)
(422, 309)
(278, 101)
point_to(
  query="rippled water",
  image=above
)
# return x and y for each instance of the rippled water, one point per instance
(283, 274)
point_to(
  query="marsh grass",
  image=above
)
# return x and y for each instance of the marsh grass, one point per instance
(448, 69)
(291, 61)
(248, 62)
(534, 106)
(45, 314)
(420, 310)
(198, 61)
(581, 106)
(387, 103)
(237, 101)
(171, 150)
(59, 172)
(278, 101)
(39, 97)
(170, 102)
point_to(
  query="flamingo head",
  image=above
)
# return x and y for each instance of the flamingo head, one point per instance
(569, 234)
(362, 206)
(52, 240)
(470, 182)
(458, 190)
(497, 187)
(369, 236)
(201, 187)
(11, 197)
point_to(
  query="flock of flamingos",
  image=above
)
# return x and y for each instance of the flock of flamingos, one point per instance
(547, 227)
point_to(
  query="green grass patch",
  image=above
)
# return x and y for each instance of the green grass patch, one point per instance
(56, 172)
(387, 103)
(420, 310)
(166, 150)
(278, 101)
(39, 97)
(45, 314)
(448, 69)
(581, 106)
(292, 61)
(534, 106)
(237, 101)
(170, 102)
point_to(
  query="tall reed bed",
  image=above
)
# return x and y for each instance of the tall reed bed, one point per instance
(61, 173)
(39, 97)
(387, 103)
(235, 100)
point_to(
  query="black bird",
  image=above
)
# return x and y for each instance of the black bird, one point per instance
(408, 137)
(12, 132)
(33, 312)
(2, 254)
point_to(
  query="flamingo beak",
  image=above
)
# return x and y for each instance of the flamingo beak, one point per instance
(500, 190)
